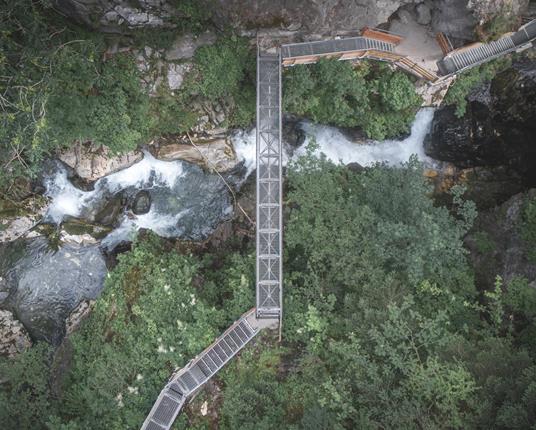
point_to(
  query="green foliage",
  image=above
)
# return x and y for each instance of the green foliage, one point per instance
(503, 22)
(467, 81)
(25, 397)
(57, 87)
(380, 100)
(528, 227)
(93, 100)
(484, 243)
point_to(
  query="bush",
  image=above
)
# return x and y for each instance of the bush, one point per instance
(381, 101)
(470, 79)
(528, 227)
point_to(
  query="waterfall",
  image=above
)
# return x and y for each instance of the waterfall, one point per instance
(186, 201)
(339, 148)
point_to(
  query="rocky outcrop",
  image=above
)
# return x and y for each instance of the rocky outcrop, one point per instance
(91, 163)
(497, 247)
(498, 128)
(14, 338)
(211, 154)
(43, 287)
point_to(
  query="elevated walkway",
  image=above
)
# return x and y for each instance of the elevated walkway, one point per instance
(269, 195)
(473, 55)
(187, 381)
(351, 49)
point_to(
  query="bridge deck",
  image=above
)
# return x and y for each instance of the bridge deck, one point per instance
(269, 195)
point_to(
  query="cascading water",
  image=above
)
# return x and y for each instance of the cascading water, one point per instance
(339, 148)
(186, 201)
(43, 286)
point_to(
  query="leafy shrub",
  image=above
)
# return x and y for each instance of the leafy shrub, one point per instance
(528, 227)
(470, 79)
(381, 101)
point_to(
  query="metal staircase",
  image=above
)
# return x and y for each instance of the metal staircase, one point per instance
(193, 376)
(347, 48)
(467, 57)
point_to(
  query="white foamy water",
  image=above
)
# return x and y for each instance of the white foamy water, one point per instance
(186, 201)
(338, 148)
(67, 200)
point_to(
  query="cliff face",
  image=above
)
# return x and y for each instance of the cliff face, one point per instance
(456, 17)
(310, 15)
(498, 128)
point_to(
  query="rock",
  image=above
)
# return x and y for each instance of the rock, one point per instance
(176, 74)
(498, 128)
(185, 46)
(453, 18)
(496, 246)
(219, 153)
(81, 232)
(14, 338)
(483, 10)
(92, 164)
(142, 203)
(17, 220)
(293, 134)
(46, 285)
(109, 213)
(81, 312)
(424, 13)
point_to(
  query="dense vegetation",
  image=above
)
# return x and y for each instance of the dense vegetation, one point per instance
(380, 100)
(58, 86)
(471, 79)
(383, 325)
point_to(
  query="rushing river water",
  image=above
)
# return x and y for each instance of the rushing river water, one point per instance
(339, 148)
(186, 201)
(42, 286)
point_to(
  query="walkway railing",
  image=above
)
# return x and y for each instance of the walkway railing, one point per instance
(269, 195)
(187, 381)
(471, 56)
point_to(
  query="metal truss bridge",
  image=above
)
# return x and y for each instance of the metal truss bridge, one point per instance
(186, 382)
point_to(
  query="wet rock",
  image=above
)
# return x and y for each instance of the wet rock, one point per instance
(14, 338)
(82, 232)
(497, 247)
(142, 203)
(498, 128)
(93, 163)
(110, 212)
(293, 134)
(214, 153)
(45, 285)
(78, 315)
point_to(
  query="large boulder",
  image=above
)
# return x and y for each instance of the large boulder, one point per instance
(498, 128)
(210, 154)
(91, 163)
